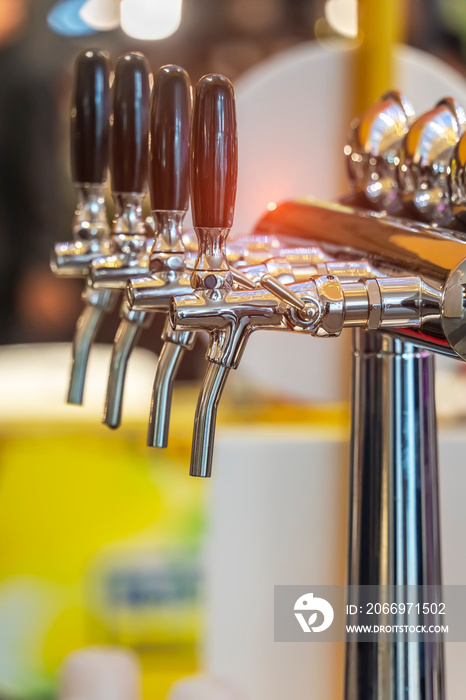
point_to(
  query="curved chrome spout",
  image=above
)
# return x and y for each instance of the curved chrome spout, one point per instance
(86, 329)
(205, 419)
(175, 343)
(126, 338)
(160, 408)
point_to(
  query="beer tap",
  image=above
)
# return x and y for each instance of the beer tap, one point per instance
(315, 268)
(168, 179)
(213, 213)
(213, 103)
(373, 150)
(90, 123)
(131, 236)
(320, 306)
(424, 162)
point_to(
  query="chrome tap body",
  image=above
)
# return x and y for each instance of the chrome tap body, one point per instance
(320, 307)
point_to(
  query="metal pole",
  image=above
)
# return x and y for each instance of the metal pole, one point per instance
(394, 534)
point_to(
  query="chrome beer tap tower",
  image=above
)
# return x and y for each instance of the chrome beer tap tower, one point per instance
(389, 262)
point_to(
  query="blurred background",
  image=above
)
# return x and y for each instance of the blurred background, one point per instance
(103, 541)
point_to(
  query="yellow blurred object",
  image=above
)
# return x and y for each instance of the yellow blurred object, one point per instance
(83, 511)
(100, 536)
(381, 25)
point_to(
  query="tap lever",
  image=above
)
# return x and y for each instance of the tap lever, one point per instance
(130, 130)
(170, 121)
(282, 291)
(90, 118)
(242, 280)
(89, 141)
(129, 138)
(214, 165)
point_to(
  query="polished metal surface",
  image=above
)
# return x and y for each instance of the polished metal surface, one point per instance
(394, 536)
(424, 161)
(127, 336)
(92, 238)
(205, 419)
(91, 234)
(175, 344)
(321, 307)
(169, 239)
(96, 305)
(372, 151)
(131, 238)
(392, 246)
(162, 392)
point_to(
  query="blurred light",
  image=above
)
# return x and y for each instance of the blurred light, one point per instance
(150, 19)
(342, 16)
(271, 206)
(102, 15)
(64, 18)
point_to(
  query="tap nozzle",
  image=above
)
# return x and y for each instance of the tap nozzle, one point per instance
(96, 305)
(175, 344)
(205, 419)
(126, 338)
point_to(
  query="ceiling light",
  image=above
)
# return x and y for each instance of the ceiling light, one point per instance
(150, 19)
(102, 15)
(64, 18)
(342, 16)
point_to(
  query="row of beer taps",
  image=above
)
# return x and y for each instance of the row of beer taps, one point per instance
(149, 135)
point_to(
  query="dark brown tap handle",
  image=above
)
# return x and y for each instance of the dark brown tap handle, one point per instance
(130, 130)
(214, 153)
(170, 124)
(90, 117)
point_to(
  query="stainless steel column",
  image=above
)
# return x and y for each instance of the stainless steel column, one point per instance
(394, 515)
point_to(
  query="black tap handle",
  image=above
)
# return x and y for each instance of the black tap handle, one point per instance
(90, 117)
(214, 153)
(130, 130)
(170, 122)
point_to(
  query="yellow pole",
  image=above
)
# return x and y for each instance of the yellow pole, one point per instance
(380, 27)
